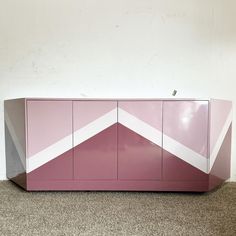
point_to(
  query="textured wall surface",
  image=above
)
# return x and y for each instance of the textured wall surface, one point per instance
(110, 48)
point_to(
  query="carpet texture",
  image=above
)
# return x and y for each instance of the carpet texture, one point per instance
(117, 213)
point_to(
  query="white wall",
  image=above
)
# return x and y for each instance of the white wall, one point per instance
(117, 48)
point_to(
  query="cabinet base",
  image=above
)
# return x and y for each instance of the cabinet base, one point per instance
(196, 186)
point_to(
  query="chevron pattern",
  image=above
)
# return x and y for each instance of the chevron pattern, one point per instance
(103, 121)
(133, 123)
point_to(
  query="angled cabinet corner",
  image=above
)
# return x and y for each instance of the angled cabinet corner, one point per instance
(15, 140)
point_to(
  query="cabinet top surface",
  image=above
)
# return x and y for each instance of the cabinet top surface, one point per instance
(113, 99)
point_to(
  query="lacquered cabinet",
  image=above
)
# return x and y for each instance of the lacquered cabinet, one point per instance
(127, 145)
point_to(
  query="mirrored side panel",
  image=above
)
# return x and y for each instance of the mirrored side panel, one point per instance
(15, 140)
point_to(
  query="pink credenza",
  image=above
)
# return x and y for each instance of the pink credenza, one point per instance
(124, 145)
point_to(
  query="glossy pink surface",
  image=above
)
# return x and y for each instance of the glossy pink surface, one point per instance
(48, 122)
(117, 158)
(174, 169)
(220, 110)
(187, 123)
(60, 168)
(148, 111)
(221, 168)
(96, 158)
(138, 158)
(88, 111)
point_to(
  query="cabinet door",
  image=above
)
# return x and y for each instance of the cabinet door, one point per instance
(49, 141)
(185, 127)
(95, 139)
(139, 140)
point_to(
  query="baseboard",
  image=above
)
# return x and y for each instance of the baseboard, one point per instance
(3, 177)
(231, 180)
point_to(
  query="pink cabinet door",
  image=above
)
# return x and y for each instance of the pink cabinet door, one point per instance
(95, 139)
(185, 150)
(49, 140)
(139, 140)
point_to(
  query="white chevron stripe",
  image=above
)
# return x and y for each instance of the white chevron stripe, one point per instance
(169, 144)
(65, 144)
(140, 127)
(15, 140)
(220, 139)
(49, 153)
(184, 153)
(95, 127)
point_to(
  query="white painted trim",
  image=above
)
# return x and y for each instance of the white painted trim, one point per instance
(3, 177)
(140, 127)
(220, 139)
(49, 153)
(95, 127)
(15, 140)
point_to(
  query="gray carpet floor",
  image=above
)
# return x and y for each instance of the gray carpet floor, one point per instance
(117, 213)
